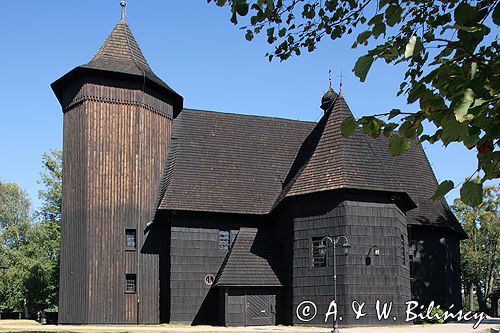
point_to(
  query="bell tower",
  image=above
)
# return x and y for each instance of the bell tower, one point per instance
(117, 129)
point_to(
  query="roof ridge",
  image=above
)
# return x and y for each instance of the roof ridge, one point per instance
(250, 115)
(370, 146)
(324, 162)
(289, 182)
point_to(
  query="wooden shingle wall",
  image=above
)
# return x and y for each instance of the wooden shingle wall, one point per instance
(365, 224)
(436, 266)
(194, 253)
(115, 145)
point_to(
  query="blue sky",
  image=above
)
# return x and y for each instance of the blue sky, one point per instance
(194, 48)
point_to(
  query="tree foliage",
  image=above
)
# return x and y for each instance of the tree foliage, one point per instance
(49, 217)
(30, 243)
(480, 254)
(450, 50)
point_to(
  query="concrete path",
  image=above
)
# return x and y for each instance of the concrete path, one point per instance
(463, 327)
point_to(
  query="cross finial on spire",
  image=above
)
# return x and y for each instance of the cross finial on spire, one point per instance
(123, 4)
(341, 77)
(330, 78)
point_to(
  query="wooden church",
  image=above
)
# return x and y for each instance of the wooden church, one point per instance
(174, 215)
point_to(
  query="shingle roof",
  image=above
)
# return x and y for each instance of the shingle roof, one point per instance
(121, 54)
(249, 261)
(329, 161)
(230, 163)
(415, 172)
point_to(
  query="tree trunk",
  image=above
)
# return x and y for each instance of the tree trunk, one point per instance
(26, 314)
(471, 297)
(481, 301)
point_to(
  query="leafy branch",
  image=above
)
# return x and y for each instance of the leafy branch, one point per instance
(450, 53)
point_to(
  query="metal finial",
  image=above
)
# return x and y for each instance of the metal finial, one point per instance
(123, 4)
(341, 77)
(330, 78)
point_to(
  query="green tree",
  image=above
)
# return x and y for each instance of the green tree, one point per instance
(30, 244)
(480, 254)
(49, 215)
(450, 51)
(23, 285)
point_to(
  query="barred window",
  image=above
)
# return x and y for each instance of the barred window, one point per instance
(317, 259)
(131, 237)
(224, 239)
(130, 286)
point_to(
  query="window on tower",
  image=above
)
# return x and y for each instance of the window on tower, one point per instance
(131, 238)
(130, 283)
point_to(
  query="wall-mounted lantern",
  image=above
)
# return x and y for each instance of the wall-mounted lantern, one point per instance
(376, 253)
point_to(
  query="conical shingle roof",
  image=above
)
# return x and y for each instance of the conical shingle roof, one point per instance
(120, 54)
(329, 161)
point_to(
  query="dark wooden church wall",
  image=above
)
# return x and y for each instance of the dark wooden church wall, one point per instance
(436, 266)
(195, 253)
(365, 224)
(116, 141)
(73, 262)
(282, 228)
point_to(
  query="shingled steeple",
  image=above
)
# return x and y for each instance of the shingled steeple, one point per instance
(328, 161)
(120, 56)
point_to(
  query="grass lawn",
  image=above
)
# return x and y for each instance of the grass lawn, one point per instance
(35, 327)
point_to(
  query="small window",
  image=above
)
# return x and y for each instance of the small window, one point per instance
(130, 286)
(224, 239)
(131, 236)
(403, 248)
(317, 259)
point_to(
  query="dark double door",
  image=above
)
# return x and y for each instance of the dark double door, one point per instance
(260, 310)
(250, 309)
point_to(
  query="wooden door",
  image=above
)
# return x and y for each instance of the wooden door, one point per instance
(260, 310)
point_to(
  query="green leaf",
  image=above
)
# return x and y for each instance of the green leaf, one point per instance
(372, 126)
(249, 35)
(362, 37)
(443, 188)
(472, 193)
(393, 14)
(465, 14)
(410, 47)
(362, 67)
(473, 69)
(382, 3)
(348, 127)
(378, 29)
(394, 113)
(462, 108)
(241, 8)
(389, 128)
(452, 129)
(398, 145)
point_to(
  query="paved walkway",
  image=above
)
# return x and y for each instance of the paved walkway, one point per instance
(463, 327)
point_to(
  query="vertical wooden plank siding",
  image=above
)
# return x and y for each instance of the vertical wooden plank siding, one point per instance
(115, 146)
